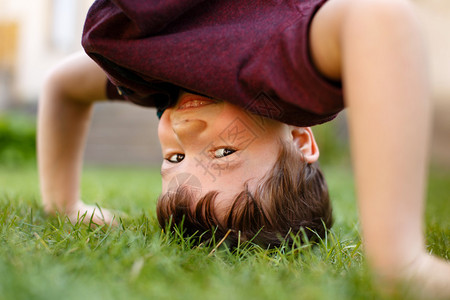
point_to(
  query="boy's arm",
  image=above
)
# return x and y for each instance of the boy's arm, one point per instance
(65, 107)
(375, 47)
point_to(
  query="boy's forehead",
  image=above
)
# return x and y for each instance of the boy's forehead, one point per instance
(184, 179)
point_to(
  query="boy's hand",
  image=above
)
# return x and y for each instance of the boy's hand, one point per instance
(375, 47)
(91, 214)
(429, 277)
(65, 108)
(425, 278)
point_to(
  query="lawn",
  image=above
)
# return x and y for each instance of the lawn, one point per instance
(48, 258)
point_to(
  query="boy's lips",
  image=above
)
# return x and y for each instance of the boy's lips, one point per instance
(193, 101)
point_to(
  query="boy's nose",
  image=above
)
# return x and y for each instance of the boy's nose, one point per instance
(188, 129)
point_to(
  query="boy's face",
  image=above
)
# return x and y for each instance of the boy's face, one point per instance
(216, 146)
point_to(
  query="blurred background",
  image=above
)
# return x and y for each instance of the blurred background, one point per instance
(35, 35)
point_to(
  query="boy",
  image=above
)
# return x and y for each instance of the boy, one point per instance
(372, 46)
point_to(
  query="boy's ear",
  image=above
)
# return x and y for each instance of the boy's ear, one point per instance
(303, 139)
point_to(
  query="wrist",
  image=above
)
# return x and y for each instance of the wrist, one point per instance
(53, 207)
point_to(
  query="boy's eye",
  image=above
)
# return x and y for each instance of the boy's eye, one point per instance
(176, 158)
(222, 152)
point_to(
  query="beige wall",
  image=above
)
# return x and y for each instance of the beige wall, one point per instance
(435, 15)
(36, 50)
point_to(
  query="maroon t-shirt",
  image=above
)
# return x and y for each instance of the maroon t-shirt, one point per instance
(254, 54)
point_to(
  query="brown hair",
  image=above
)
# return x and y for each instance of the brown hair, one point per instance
(293, 195)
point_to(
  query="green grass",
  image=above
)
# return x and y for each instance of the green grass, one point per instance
(48, 258)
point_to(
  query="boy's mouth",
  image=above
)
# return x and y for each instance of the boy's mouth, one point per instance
(189, 101)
